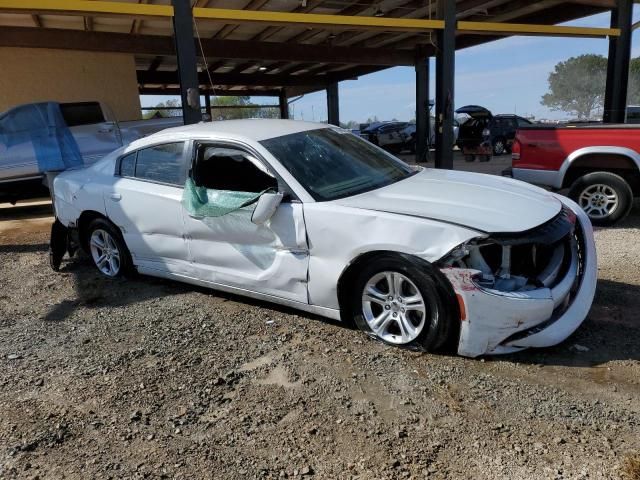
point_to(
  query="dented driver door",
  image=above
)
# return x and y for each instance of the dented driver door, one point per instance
(229, 249)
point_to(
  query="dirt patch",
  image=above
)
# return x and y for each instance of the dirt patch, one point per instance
(631, 467)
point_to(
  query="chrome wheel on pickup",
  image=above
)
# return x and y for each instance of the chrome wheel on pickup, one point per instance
(599, 200)
(604, 196)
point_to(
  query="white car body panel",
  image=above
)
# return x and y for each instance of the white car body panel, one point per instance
(459, 198)
(297, 257)
(156, 240)
(360, 231)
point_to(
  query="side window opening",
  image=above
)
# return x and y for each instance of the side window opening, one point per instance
(219, 168)
(82, 113)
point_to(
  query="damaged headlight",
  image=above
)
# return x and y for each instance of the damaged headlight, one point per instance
(518, 262)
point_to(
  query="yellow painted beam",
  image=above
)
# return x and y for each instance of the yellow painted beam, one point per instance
(85, 7)
(317, 20)
(141, 10)
(531, 29)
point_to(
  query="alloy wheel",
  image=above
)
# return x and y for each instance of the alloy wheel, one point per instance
(393, 307)
(105, 252)
(598, 200)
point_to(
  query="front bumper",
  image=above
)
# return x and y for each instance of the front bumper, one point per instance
(496, 322)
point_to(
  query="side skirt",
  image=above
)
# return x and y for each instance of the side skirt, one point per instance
(314, 309)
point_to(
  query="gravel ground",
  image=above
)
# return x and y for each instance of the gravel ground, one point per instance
(146, 378)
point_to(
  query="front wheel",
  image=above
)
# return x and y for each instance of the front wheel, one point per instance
(107, 248)
(402, 303)
(605, 197)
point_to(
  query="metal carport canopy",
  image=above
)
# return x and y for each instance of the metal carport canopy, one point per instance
(260, 49)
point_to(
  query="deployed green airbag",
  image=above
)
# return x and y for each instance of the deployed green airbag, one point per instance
(202, 202)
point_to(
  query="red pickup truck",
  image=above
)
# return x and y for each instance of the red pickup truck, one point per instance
(599, 164)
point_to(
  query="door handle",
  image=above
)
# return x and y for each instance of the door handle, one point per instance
(116, 197)
(196, 217)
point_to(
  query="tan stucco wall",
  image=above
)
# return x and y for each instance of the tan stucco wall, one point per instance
(36, 74)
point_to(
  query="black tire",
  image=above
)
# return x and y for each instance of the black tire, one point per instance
(590, 183)
(124, 257)
(438, 297)
(499, 146)
(469, 158)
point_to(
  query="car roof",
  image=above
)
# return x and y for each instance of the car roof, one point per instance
(248, 129)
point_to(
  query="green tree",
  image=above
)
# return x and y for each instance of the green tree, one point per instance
(176, 110)
(248, 110)
(633, 94)
(577, 85)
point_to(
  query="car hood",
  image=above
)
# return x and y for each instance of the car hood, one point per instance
(486, 203)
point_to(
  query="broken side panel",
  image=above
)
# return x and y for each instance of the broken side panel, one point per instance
(270, 258)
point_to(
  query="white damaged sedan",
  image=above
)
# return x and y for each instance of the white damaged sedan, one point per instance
(313, 217)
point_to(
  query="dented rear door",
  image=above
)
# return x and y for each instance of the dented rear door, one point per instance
(145, 202)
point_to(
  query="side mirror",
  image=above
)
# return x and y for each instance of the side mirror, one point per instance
(266, 207)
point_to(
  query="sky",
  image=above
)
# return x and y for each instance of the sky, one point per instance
(505, 76)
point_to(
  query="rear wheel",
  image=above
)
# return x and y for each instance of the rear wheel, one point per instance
(499, 146)
(605, 197)
(107, 248)
(469, 158)
(401, 303)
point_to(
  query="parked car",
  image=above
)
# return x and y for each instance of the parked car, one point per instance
(387, 135)
(409, 134)
(38, 137)
(484, 134)
(599, 164)
(313, 217)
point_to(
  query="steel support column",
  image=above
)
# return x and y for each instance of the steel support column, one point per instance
(187, 65)
(284, 104)
(445, 68)
(615, 99)
(422, 110)
(207, 104)
(333, 104)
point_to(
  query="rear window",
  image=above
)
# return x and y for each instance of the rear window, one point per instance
(85, 113)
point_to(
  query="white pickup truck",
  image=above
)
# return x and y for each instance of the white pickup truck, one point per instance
(49, 136)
